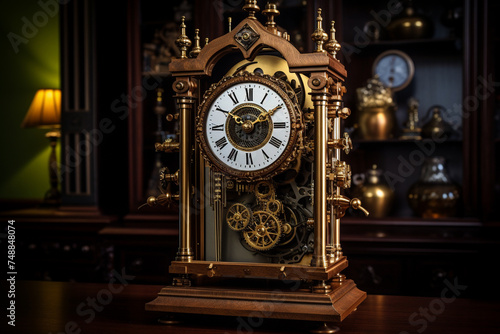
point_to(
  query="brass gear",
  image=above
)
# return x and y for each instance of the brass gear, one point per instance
(264, 190)
(238, 216)
(273, 206)
(290, 226)
(265, 231)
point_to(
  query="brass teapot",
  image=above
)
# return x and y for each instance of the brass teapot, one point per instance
(436, 127)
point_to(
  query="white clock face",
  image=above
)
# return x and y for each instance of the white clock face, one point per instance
(394, 68)
(248, 126)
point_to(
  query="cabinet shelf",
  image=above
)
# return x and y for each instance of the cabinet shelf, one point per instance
(412, 221)
(163, 74)
(401, 142)
(434, 42)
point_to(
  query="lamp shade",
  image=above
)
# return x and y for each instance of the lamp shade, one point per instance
(45, 110)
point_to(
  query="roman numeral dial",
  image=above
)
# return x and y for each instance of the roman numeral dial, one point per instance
(247, 126)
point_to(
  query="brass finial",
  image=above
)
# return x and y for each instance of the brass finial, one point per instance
(333, 46)
(319, 36)
(196, 48)
(183, 42)
(230, 21)
(206, 41)
(252, 8)
(271, 11)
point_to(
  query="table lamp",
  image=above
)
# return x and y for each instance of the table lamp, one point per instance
(45, 112)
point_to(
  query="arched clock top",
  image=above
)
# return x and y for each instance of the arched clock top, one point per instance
(249, 37)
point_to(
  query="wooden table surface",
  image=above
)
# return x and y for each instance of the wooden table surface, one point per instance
(74, 308)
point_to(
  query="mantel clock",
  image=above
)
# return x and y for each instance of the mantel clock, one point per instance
(260, 176)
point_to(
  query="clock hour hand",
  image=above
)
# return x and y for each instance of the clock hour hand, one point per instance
(236, 118)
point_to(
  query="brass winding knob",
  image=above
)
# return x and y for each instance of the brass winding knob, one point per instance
(344, 113)
(356, 204)
(342, 143)
(342, 203)
(347, 143)
(164, 200)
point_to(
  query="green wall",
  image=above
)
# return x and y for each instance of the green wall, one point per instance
(29, 60)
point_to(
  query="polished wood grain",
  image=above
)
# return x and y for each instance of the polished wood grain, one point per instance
(287, 302)
(215, 50)
(53, 307)
(262, 270)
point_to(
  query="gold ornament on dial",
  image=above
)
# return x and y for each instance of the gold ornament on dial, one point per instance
(248, 126)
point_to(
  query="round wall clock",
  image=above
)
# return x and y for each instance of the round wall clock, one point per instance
(394, 68)
(248, 126)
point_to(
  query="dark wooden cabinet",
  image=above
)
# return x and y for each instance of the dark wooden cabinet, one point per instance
(60, 244)
(449, 71)
(402, 253)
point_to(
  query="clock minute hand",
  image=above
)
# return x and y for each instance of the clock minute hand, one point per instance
(271, 112)
(263, 115)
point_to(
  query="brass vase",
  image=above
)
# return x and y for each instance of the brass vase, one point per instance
(434, 195)
(375, 194)
(377, 123)
(410, 25)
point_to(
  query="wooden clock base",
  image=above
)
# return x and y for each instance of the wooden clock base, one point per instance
(276, 303)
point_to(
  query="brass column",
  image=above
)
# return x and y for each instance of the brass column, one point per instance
(185, 252)
(336, 228)
(320, 190)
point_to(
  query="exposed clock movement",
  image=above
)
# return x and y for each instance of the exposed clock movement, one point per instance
(260, 176)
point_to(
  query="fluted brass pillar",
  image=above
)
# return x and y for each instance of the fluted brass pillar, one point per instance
(320, 185)
(336, 226)
(186, 250)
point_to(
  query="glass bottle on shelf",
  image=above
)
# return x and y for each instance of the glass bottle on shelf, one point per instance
(434, 195)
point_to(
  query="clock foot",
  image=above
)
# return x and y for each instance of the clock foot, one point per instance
(325, 328)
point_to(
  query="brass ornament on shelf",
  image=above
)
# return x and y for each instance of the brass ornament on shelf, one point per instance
(376, 119)
(436, 127)
(410, 25)
(374, 192)
(412, 131)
